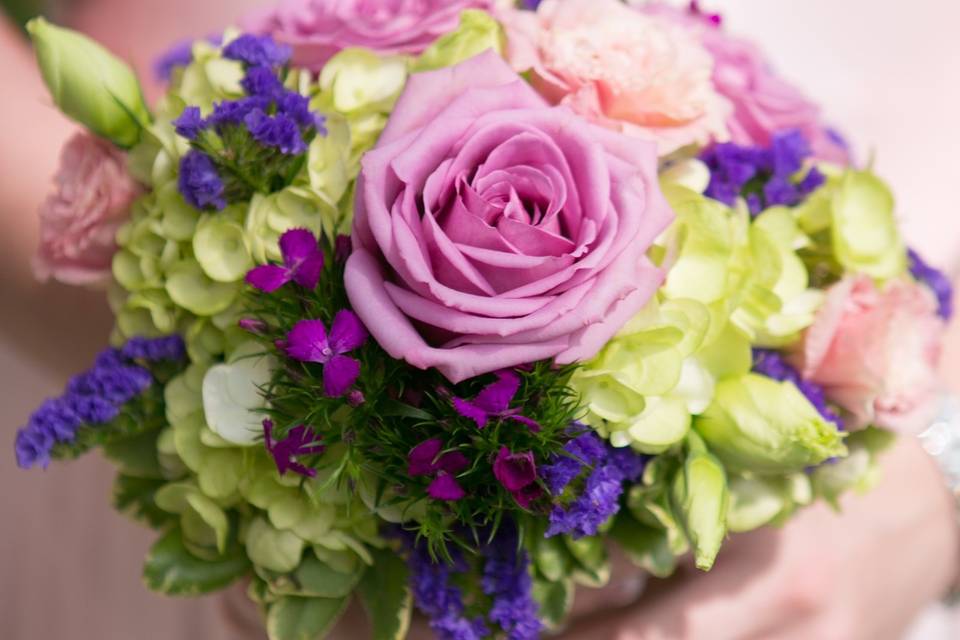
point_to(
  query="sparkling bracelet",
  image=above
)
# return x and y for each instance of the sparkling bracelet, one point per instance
(942, 441)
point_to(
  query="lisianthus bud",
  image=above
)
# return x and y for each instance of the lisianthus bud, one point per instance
(477, 32)
(700, 492)
(758, 424)
(89, 84)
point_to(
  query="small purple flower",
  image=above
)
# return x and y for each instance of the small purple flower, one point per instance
(342, 248)
(257, 51)
(435, 594)
(936, 281)
(302, 263)
(308, 342)
(297, 107)
(425, 459)
(771, 363)
(506, 579)
(233, 112)
(279, 131)
(763, 176)
(493, 402)
(517, 472)
(32, 448)
(179, 55)
(199, 183)
(252, 325)
(190, 123)
(300, 441)
(166, 348)
(263, 82)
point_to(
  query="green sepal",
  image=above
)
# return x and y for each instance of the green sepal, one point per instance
(385, 595)
(294, 618)
(172, 570)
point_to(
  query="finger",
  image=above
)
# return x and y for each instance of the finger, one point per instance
(734, 601)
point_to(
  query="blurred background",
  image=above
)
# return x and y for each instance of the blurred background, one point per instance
(886, 75)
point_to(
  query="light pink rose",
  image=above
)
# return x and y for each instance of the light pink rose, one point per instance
(79, 221)
(875, 352)
(318, 29)
(640, 74)
(493, 230)
(763, 102)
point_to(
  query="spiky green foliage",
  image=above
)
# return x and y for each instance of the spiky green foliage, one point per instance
(402, 407)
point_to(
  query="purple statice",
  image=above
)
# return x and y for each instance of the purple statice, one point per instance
(199, 183)
(531, 5)
(279, 131)
(257, 51)
(302, 263)
(263, 82)
(437, 597)
(190, 123)
(585, 450)
(507, 581)
(94, 397)
(308, 341)
(300, 441)
(166, 348)
(179, 55)
(936, 281)
(232, 112)
(771, 363)
(493, 402)
(599, 499)
(763, 176)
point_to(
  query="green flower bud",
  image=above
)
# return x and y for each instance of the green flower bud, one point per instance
(761, 425)
(701, 496)
(89, 84)
(477, 32)
(865, 235)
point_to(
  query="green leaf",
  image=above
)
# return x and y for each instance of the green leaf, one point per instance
(172, 570)
(385, 595)
(647, 547)
(136, 498)
(593, 565)
(303, 618)
(312, 579)
(555, 599)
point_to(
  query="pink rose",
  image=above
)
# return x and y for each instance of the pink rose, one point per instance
(763, 102)
(318, 29)
(640, 74)
(79, 221)
(492, 230)
(875, 352)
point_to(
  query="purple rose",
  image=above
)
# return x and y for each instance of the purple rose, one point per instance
(318, 29)
(493, 230)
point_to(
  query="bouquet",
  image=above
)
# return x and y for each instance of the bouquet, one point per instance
(430, 306)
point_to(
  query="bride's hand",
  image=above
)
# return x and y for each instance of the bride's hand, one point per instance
(863, 574)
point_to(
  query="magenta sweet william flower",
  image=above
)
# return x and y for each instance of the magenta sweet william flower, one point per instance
(302, 263)
(300, 441)
(494, 402)
(308, 342)
(492, 230)
(318, 29)
(517, 472)
(425, 459)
